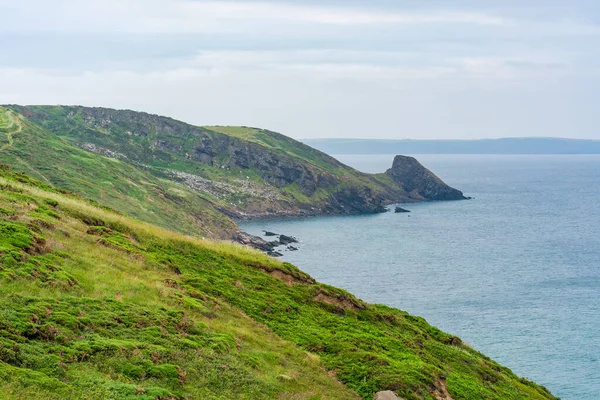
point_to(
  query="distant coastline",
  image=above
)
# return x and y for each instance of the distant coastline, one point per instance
(481, 146)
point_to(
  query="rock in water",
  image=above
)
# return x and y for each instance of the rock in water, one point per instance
(401, 210)
(419, 182)
(268, 233)
(284, 239)
(256, 242)
(386, 395)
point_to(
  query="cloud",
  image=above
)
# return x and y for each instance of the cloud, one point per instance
(184, 16)
(380, 65)
(309, 69)
(200, 17)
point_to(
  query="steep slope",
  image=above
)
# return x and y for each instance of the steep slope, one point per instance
(244, 172)
(97, 305)
(86, 315)
(125, 186)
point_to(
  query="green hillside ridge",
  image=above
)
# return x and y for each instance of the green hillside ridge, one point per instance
(284, 145)
(188, 178)
(130, 188)
(96, 305)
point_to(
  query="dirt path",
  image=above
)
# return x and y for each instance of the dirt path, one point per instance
(10, 125)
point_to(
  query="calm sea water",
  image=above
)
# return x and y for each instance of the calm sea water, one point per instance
(514, 272)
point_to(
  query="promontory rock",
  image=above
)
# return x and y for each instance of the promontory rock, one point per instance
(419, 182)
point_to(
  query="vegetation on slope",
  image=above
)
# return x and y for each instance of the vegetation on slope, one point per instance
(129, 188)
(98, 305)
(85, 316)
(10, 125)
(284, 145)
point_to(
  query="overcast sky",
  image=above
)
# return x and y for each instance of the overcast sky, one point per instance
(315, 69)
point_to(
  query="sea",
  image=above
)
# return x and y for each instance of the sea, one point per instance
(514, 272)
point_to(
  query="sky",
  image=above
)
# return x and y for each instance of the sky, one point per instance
(427, 69)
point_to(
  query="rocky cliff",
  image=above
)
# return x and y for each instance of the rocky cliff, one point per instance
(419, 182)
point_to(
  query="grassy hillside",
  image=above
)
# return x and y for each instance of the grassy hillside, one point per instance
(128, 187)
(123, 158)
(285, 145)
(95, 305)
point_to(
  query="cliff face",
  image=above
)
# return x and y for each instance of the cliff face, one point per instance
(419, 182)
(278, 170)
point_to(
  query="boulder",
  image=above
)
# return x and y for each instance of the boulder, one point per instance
(386, 395)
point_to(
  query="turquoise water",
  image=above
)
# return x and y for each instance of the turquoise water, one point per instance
(514, 272)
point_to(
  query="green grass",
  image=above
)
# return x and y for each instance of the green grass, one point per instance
(96, 305)
(10, 125)
(84, 315)
(130, 188)
(282, 145)
(241, 132)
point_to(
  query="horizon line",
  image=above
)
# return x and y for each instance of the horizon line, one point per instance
(454, 140)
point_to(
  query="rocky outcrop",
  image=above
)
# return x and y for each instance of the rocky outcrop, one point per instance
(256, 242)
(222, 151)
(270, 247)
(223, 190)
(419, 182)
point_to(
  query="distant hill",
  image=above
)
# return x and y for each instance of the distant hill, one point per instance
(483, 146)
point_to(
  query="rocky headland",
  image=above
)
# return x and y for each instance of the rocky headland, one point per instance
(200, 180)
